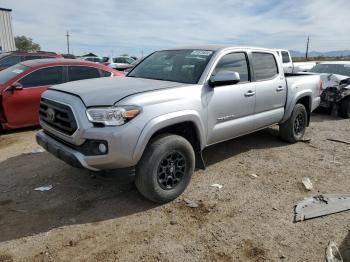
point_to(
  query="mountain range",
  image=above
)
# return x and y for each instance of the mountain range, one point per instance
(316, 53)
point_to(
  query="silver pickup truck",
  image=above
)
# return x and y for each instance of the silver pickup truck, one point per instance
(172, 105)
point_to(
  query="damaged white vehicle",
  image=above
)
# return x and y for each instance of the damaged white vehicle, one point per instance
(336, 81)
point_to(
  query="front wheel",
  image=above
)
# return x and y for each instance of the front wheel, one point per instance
(294, 128)
(165, 168)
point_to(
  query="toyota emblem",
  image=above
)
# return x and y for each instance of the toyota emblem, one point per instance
(50, 114)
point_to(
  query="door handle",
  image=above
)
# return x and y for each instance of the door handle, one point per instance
(279, 89)
(249, 93)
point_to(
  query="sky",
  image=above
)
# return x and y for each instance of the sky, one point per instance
(114, 27)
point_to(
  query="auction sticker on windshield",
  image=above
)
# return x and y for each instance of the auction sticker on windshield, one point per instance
(17, 71)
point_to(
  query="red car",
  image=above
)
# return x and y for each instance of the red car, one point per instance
(21, 86)
(11, 58)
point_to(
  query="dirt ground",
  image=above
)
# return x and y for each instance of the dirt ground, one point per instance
(103, 218)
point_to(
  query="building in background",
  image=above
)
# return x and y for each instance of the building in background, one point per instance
(7, 41)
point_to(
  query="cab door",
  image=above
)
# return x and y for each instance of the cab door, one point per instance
(271, 89)
(21, 105)
(231, 107)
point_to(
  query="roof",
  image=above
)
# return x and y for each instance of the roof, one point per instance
(5, 9)
(30, 53)
(56, 61)
(216, 47)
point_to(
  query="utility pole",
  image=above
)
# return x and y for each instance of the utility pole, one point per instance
(307, 47)
(68, 35)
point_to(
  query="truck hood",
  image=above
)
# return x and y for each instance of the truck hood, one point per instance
(109, 90)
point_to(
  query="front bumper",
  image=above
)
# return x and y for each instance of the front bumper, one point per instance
(61, 151)
(120, 140)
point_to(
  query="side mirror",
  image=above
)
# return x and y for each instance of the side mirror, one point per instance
(15, 86)
(224, 78)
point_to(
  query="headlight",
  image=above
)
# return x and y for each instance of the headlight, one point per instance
(112, 116)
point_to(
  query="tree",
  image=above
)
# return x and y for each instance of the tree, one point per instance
(26, 44)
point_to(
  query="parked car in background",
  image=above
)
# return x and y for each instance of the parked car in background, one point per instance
(11, 58)
(22, 85)
(69, 56)
(94, 59)
(105, 60)
(303, 66)
(120, 63)
(171, 106)
(336, 79)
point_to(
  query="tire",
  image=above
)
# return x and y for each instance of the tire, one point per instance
(344, 110)
(165, 168)
(294, 128)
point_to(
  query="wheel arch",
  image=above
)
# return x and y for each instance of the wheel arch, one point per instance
(304, 98)
(187, 124)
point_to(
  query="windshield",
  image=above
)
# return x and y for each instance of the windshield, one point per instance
(339, 69)
(10, 72)
(184, 66)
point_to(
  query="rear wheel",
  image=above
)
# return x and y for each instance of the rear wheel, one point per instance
(294, 128)
(165, 168)
(345, 108)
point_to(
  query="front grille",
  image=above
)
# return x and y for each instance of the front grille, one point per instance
(58, 116)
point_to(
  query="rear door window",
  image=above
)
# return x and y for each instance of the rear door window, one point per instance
(234, 62)
(82, 72)
(43, 77)
(285, 57)
(264, 65)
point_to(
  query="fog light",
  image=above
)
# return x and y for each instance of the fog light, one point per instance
(102, 148)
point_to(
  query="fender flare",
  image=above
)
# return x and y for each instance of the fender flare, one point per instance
(290, 105)
(166, 120)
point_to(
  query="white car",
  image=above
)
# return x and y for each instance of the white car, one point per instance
(303, 66)
(95, 59)
(121, 62)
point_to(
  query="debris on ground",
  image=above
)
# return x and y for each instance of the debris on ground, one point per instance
(173, 222)
(333, 253)
(335, 162)
(71, 243)
(321, 205)
(37, 150)
(307, 183)
(339, 141)
(43, 188)
(190, 203)
(217, 186)
(254, 175)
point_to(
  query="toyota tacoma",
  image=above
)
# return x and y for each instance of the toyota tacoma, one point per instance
(169, 107)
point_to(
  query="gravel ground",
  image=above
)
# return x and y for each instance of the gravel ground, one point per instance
(89, 217)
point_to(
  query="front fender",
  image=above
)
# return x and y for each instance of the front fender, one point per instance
(293, 101)
(166, 120)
